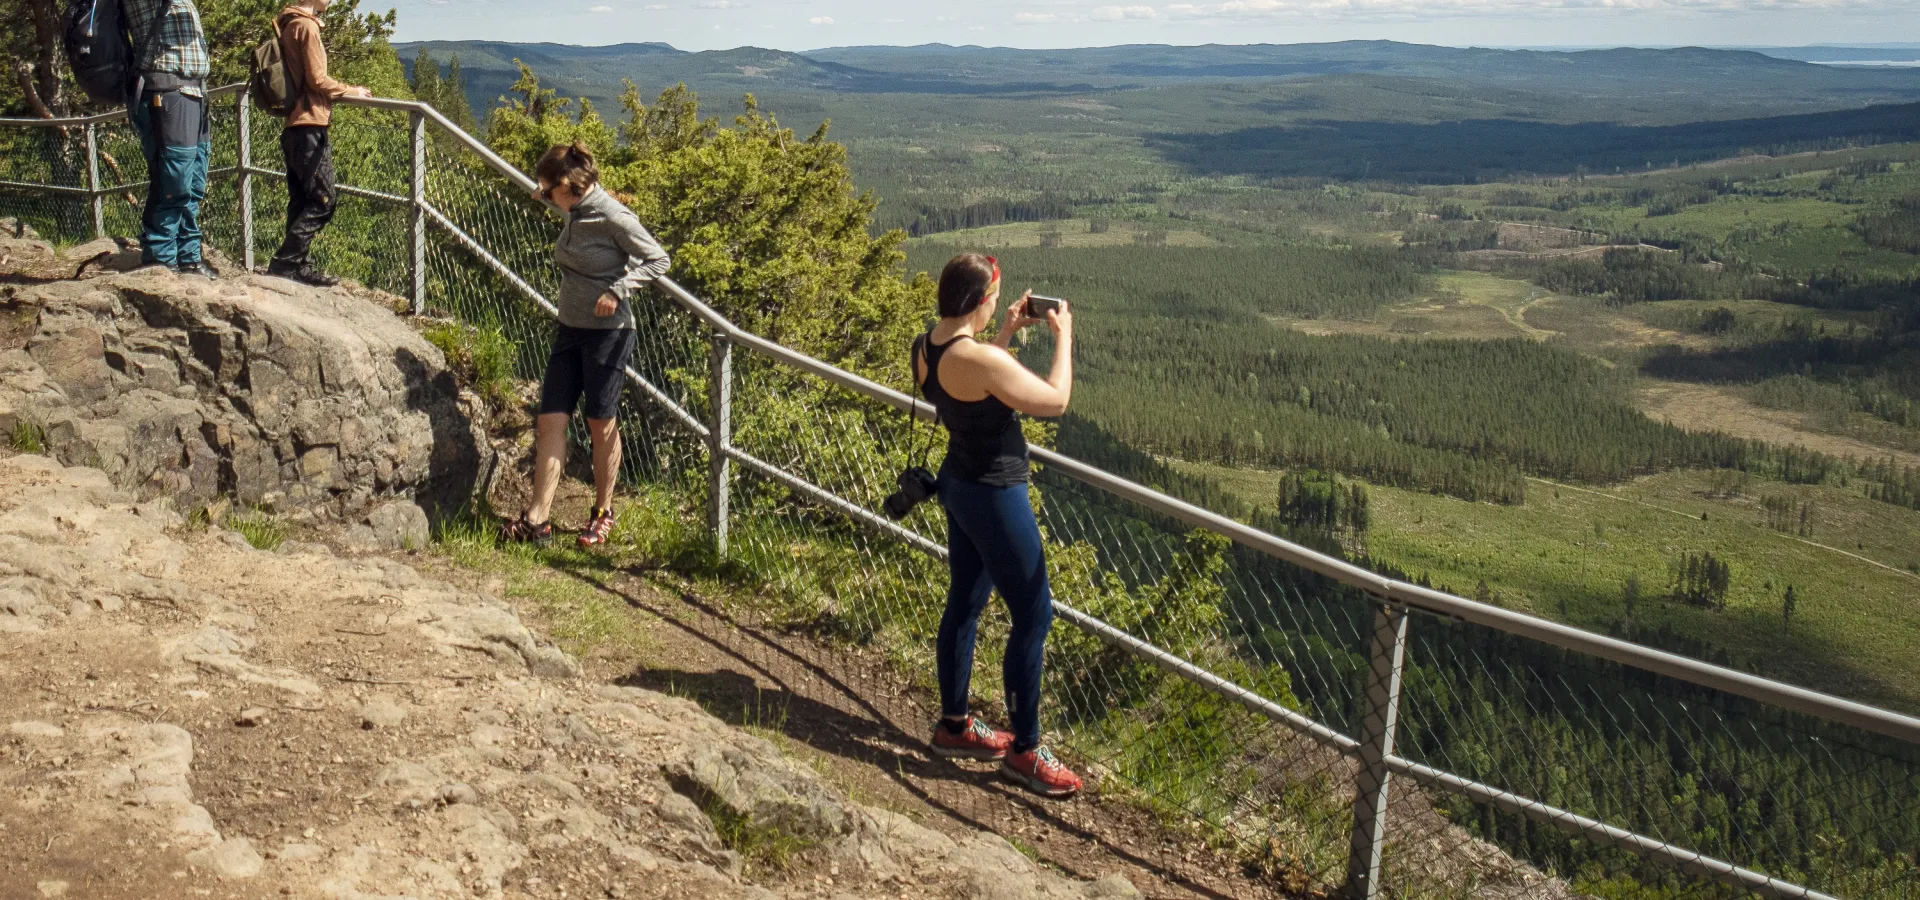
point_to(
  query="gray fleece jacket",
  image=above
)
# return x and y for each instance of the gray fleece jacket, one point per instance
(603, 247)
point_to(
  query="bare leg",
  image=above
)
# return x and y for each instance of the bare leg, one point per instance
(606, 460)
(549, 457)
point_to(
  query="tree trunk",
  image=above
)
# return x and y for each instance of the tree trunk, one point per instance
(43, 86)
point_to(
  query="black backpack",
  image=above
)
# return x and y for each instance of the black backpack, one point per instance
(98, 51)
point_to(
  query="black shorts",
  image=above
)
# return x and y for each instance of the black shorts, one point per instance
(586, 362)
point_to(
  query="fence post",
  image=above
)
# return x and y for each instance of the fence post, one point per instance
(418, 259)
(1378, 716)
(94, 197)
(719, 438)
(245, 172)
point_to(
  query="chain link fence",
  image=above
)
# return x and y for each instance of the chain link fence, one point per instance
(1327, 728)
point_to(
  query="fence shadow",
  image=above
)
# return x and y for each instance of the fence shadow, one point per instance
(842, 719)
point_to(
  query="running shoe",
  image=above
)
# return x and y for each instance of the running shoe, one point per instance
(976, 741)
(1039, 771)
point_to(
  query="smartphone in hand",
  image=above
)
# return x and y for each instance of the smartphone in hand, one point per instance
(1038, 305)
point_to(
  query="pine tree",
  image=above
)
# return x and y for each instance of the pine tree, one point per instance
(426, 79)
(453, 101)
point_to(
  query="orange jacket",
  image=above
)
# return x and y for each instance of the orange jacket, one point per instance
(306, 58)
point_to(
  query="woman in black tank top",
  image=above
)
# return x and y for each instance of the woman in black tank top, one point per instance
(993, 541)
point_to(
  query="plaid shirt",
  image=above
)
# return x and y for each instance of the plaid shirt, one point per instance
(181, 48)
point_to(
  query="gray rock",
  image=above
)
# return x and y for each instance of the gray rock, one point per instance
(35, 730)
(381, 712)
(398, 525)
(255, 386)
(551, 662)
(299, 853)
(410, 783)
(230, 859)
(1112, 887)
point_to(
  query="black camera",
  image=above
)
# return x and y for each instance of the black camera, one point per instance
(916, 486)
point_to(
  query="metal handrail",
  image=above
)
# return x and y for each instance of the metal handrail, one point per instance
(112, 115)
(1394, 596)
(1815, 703)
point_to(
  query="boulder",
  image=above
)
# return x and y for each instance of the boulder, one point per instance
(257, 388)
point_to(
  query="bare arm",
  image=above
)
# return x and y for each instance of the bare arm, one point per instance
(1018, 387)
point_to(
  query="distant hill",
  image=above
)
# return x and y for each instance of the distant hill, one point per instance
(1492, 149)
(1746, 79)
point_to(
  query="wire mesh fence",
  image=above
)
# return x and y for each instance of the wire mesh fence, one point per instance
(1516, 756)
(43, 180)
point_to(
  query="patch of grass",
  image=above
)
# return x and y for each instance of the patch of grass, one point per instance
(260, 529)
(28, 437)
(767, 847)
(569, 586)
(481, 357)
(1853, 628)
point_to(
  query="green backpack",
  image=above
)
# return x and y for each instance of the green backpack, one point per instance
(269, 81)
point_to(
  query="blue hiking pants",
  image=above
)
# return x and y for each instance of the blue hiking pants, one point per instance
(993, 542)
(175, 137)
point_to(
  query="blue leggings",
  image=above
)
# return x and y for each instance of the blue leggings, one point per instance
(994, 542)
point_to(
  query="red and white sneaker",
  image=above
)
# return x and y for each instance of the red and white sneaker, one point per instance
(1039, 771)
(976, 741)
(599, 527)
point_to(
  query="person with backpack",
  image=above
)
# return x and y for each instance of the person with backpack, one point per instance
(167, 105)
(304, 141)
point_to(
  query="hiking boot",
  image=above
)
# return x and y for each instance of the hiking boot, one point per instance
(599, 528)
(306, 275)
(200, 268)
(1039, 771)
(521, 531)
(975, 741)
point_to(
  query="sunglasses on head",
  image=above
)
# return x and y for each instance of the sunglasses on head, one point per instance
(546, 193)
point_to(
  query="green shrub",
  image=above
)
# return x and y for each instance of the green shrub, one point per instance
(480, 357)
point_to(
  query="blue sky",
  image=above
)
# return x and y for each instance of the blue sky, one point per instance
(796, 25)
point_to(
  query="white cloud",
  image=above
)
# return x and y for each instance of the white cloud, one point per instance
(1116, 13)
(820, 20)
(716, 4)
(655, 6)
(601, 9)
(1027, 18)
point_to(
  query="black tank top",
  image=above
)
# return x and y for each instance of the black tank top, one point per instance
(984, 442)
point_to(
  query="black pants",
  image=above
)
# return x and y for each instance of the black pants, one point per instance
(310, 190)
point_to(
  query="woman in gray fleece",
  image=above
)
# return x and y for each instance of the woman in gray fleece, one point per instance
(605, 257)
